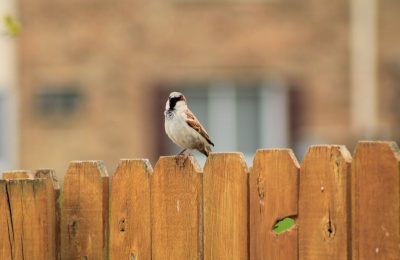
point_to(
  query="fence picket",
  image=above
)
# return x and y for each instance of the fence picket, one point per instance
(84, 219)
(324, 203)
(21, 174)
(225, 198)
(375, 201)
(274, 180)
(130, 230)
(343, 208)
(176, 209)
(53, 212)
(6, 235)
(23, 221)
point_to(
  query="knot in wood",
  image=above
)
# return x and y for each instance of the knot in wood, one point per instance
(72, 227)
(121, 225)
(329, 230)
(260, 189)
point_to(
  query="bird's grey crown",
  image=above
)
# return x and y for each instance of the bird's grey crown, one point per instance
(174, 94)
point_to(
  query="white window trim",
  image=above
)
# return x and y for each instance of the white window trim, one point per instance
(274, 107)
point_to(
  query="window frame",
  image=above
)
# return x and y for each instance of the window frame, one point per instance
(272, 105)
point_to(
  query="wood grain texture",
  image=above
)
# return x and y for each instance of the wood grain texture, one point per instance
(176, 205)
(23, 222)
(6, 227)
(130, 210)
(21, 174)
(53, 212)
(324, 204)
(274, 180)
(375, 201)
(225, 198)
(84, 221)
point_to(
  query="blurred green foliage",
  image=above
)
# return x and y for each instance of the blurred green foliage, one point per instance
(12, 26)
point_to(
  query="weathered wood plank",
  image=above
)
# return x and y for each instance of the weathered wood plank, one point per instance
(21, 174)
(23, 219)
(84, 222)
(130, 234)
(53, 212)
(375, 201)
(176, 206)
(6, 227)
(225, 198)
(274, 180)
(324, 204)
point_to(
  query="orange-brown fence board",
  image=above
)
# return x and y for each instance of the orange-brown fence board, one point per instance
(23, 224)
(53, 212)
(343, 208)
(225, 198)
(84, 218)
(176, 209)
(375, 201)
(274, 180)
(130, 234)
(17, 175)
(6, 226)
(324, 201)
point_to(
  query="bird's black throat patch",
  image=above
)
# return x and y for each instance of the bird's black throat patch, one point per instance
(173, 101)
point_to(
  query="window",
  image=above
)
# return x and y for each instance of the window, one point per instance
(239, 117)
(58, 101)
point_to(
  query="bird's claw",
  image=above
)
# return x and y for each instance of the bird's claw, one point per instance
(184, 160)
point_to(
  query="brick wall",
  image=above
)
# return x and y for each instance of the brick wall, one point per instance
(119, 53)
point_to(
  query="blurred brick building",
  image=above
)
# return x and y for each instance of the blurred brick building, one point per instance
(94, 76)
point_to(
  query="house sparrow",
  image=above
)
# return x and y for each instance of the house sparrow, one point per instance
(183, 128)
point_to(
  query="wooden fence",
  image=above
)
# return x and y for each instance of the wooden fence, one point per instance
(343, 207)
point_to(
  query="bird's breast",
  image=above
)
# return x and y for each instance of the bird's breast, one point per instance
(182, 134)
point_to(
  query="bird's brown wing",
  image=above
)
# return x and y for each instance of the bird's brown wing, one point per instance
(195, 124)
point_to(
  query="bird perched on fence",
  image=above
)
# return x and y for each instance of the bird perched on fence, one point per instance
(183, 128)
